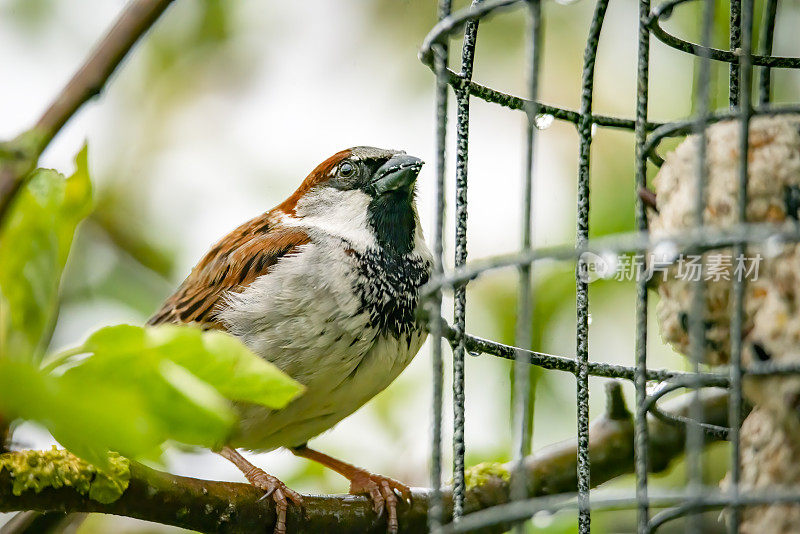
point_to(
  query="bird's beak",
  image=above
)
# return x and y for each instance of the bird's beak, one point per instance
(399, 172)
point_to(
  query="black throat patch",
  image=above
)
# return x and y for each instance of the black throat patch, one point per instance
(393, 220)
(388, 286)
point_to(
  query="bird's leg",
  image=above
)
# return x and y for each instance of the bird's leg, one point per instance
(271, 485)
(381, 489)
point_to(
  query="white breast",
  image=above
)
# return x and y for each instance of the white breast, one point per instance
(305, 317)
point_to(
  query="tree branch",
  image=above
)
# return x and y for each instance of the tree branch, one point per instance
(232, 507)
(89, 80)
(20, 156)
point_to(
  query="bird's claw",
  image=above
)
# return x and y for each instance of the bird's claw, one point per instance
(381, 491)
(280, 494)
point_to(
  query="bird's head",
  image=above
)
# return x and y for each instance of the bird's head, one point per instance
(358, 190)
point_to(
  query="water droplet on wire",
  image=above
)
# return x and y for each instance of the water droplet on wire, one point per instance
(773, 246)
(543, 121)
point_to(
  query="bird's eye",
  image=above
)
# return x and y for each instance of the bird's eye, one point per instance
(347, 169)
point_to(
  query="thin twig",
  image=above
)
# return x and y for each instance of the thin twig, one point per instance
(87, 82)
(90, 79)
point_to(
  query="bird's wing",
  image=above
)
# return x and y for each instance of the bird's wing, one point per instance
(231, 265)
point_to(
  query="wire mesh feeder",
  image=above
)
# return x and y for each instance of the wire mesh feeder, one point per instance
(741, 232)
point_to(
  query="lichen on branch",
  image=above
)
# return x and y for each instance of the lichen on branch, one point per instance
(479, 474)
(57, 468)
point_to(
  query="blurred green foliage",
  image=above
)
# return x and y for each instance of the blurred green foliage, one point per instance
(30, 13)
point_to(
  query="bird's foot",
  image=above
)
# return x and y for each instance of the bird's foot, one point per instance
(381, 490)
(278, 491)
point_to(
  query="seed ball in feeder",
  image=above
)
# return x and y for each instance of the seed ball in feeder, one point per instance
(775, 339)
(773, 189)
(769, 463)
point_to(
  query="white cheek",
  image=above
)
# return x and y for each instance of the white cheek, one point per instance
(339, 213)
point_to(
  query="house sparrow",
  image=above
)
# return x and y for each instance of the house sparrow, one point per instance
(325, 286)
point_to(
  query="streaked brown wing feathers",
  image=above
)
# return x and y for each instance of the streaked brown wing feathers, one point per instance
(231, 265)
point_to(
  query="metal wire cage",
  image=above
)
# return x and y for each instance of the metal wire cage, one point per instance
(694, 498)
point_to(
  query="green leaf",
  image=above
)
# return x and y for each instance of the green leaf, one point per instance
(34, 244)
(131, 389)
(241, 375)
(181, 405)
(88, 418)
(186, 375)
(216, 358)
